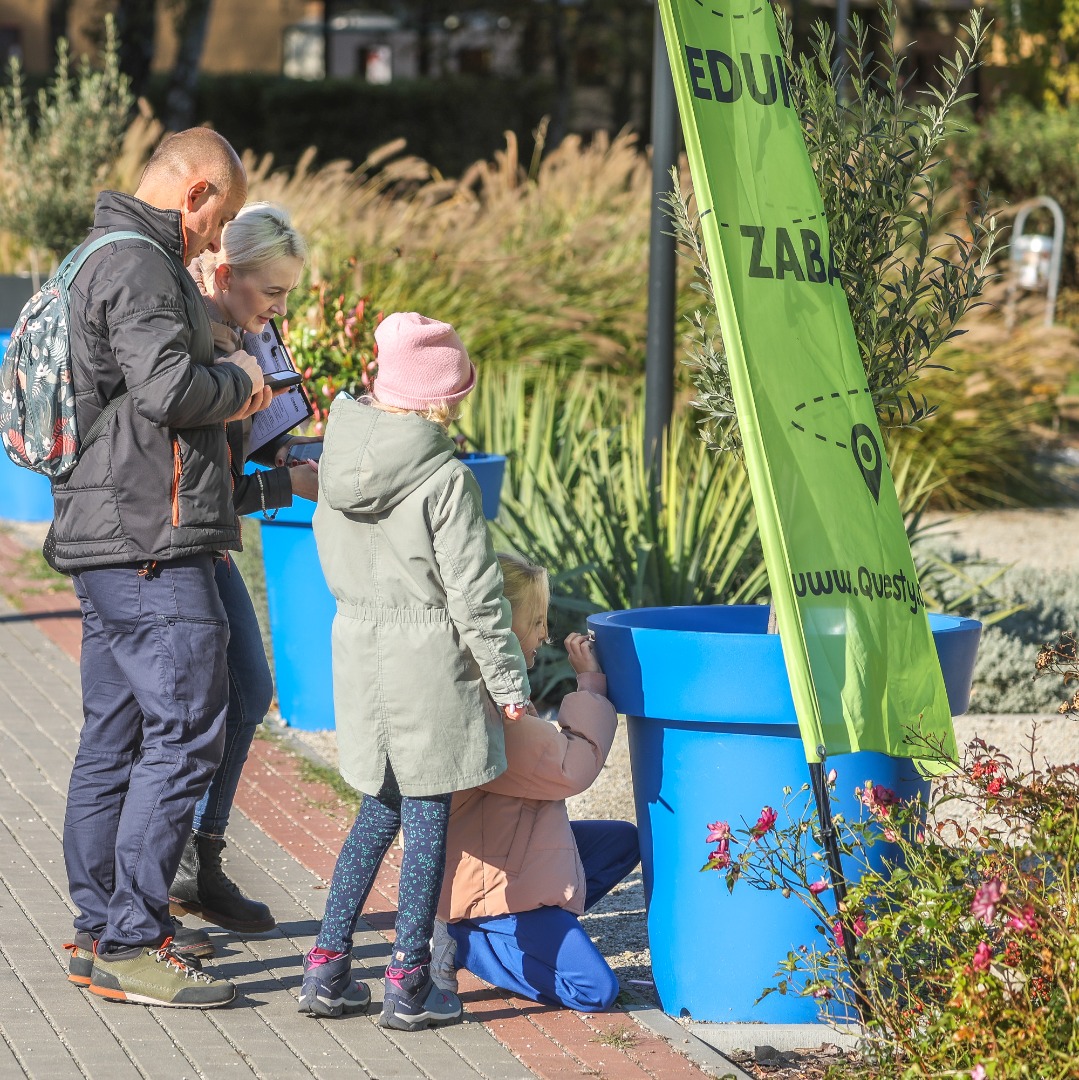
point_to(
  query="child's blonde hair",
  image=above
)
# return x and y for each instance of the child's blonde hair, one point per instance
(443, 413)
(526, 586)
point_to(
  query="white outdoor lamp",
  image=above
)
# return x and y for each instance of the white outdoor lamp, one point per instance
(1036, 257)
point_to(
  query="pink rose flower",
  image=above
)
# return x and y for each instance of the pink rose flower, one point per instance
(986, 899)
(818, 887)
(878, 798)
(1024, 920)
(764, 823)
(858, 926)
(722, 858)
(837, 932)
(982, 956)
(718, 830)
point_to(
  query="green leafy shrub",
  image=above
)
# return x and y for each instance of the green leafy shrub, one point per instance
(57, 150)
(331, 338)
(1017, 151)
(910, 272)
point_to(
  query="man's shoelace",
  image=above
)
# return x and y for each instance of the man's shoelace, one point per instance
(165, 955)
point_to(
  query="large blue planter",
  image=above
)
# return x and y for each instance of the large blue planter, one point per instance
(301, 607)
(713, 736)
(24, 495)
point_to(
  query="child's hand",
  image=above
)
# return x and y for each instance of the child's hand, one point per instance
(513, 713)
(582, 653)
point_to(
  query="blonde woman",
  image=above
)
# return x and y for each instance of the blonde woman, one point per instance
(244, 284)
(518, 871)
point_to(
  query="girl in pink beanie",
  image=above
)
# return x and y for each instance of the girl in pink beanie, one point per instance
(422, 643)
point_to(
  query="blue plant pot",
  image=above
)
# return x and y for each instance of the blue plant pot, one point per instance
(301, 607)
(713, 736)
(24, 495)
(489, 470)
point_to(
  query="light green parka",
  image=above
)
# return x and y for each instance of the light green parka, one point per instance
(421, 639)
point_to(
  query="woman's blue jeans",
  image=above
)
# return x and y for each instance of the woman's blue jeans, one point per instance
(250, 694)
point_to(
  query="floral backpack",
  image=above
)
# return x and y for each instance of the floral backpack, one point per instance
(37, 399)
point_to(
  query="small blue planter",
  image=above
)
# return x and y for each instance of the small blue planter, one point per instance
(489, 470)
(301, 607)
(713, 736)
(24, 495)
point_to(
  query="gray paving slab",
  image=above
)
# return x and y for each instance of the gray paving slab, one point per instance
(50, 1028)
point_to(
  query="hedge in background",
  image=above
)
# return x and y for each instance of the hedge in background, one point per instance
(1018, 151)
(449, 122)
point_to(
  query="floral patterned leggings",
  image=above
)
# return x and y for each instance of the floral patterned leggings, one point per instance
(424, 821)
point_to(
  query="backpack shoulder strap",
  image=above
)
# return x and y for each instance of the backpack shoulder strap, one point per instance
(74, 261)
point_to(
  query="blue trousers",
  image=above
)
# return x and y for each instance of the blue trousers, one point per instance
(545, 955)
(155, 694)
(250, 695)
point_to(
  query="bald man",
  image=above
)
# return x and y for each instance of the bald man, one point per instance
(138, 524)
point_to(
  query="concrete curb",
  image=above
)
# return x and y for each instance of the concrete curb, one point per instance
(752, 1038)
(703, 1054)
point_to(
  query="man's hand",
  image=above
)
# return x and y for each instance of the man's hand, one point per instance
(582, 653)
(247, 364)
(258, 401)
(513, 713)
(304, 477)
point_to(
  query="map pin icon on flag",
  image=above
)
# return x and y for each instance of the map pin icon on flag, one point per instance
(867, 455)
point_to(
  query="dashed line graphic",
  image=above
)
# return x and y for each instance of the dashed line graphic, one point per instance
(722, 14)
(863, 442)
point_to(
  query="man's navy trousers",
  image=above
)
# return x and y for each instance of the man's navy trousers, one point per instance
(155, 693)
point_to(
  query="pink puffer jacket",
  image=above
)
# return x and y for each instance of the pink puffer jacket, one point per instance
(510, 847)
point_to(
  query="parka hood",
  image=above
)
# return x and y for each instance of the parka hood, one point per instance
(374, 459)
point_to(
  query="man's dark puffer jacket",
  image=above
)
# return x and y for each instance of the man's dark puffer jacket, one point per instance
(155, 484)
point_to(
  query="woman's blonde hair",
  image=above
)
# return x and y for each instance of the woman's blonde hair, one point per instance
(525, 586)
(260, 234)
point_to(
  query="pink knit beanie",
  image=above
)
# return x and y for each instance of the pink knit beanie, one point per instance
(420, 362)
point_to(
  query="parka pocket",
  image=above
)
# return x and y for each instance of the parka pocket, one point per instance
(177, 476)
(522, 837)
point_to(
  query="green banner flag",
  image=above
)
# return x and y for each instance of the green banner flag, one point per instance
(856, 639)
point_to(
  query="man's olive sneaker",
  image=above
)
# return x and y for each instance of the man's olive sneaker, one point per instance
(192, 945)
(80, 963)
(157, 977)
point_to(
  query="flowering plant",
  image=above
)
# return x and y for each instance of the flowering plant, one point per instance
(966, 936)
(332, 341)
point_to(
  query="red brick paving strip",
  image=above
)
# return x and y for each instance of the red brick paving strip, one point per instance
(310, 821)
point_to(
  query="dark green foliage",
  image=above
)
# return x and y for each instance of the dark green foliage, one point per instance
(449, 122)
(57, 147)
(909, 271)
(1019, 151)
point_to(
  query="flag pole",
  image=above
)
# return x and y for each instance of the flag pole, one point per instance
(830, 842)
(659, 350)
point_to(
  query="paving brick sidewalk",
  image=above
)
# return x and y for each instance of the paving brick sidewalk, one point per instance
(283, 844)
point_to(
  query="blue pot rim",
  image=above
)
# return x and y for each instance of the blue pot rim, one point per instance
(939, 623)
